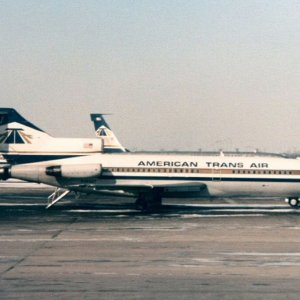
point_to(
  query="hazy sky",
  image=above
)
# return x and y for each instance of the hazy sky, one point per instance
(175, 74)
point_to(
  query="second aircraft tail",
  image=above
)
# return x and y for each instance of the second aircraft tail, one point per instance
(103, 131)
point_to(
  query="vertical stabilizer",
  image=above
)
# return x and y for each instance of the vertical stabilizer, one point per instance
(23, 142)
(18, 135)
(103, 131)
(16, 132)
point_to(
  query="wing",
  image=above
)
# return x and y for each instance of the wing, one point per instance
(166, 188)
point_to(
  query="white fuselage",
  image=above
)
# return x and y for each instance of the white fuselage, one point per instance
(194, 175)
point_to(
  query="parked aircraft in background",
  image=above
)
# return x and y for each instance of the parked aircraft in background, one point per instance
(110, 141)
(150, 177)
(23, 142)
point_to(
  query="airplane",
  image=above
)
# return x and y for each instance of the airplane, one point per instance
(102, 129)
(23, 142)
(151, 177)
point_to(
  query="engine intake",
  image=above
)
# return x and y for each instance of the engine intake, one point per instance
(75, 171)
(5, 172)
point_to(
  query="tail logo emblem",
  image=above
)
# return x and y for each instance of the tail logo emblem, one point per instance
(15, 136)
(101, 131)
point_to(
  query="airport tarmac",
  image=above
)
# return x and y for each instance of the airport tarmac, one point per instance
(104, 249)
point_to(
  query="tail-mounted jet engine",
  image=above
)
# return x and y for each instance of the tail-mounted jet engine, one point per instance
(75, 171)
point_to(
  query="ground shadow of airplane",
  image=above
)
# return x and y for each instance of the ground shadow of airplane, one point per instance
(126, 209)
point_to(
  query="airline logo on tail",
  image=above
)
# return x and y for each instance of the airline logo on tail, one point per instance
(15, 136)
(102, 128)
(103, 131)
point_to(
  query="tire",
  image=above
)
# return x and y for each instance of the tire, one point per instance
(293, 202)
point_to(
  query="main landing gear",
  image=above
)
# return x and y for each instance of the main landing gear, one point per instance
(149, 201)
(293, 202)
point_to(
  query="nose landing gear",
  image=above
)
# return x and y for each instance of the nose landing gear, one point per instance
(293, 202)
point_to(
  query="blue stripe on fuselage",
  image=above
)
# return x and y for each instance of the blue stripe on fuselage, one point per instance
(16, 159)
(112, 150)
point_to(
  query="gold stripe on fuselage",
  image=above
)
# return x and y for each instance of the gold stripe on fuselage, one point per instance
(202, 171)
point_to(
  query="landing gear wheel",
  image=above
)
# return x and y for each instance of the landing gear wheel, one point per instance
(149, 202)
(141, 204)
(293, 202)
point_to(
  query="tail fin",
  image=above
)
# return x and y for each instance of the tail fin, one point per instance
(15, 131)
(23, 142)
(10, 115)
(103, 131)
(17, 135)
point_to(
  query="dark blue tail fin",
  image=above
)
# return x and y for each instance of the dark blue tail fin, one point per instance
(110, 141)
(10, 115)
